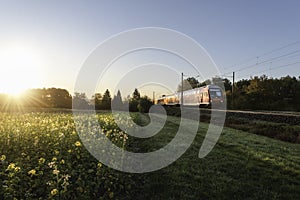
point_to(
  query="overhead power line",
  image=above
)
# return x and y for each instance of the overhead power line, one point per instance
(271, 69)
(266, 61)
(263, 54)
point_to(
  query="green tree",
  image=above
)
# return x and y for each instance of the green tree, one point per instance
(188, 83)
(134, 101)
(37, 98)
(58, 98)
(106, 100)
(97, 97)
(204, 83)
(80, 101)
(136, 95)
(218, 81)
(227, 84)
(117, 101)
(144, 104)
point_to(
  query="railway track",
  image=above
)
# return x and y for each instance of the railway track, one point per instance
(292, 118)
(282, 113)
(286, 118)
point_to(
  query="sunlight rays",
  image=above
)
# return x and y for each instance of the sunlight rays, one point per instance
(20, 68)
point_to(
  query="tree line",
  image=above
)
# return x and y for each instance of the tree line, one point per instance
(263, 93)
(40, 98)
(61, 98)
(256, 93)
(135, 103)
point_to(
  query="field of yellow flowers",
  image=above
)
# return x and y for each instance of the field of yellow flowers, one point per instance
(42, 157)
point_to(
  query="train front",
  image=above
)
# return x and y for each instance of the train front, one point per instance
(216, 97)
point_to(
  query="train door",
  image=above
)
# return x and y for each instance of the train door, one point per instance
(206, 97)
(201, 97)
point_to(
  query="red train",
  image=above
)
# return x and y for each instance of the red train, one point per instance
(203, 96)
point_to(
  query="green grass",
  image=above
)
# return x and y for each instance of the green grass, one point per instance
(241, 166)
(280, 131)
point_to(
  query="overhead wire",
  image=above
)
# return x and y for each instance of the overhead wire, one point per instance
(266, 61)
(263, 54)
(270, 61)
(270, 69)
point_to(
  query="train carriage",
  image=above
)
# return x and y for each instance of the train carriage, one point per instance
(203, 96)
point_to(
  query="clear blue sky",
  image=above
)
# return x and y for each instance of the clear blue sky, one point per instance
(61, 34)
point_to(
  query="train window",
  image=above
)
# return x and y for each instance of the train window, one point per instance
(215, 93)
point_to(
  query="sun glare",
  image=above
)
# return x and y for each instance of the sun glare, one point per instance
(19, 69)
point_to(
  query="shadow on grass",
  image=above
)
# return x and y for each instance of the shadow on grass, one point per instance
(241, 166)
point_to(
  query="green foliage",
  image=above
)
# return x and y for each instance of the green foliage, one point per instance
(138, 103)
(257, 93)
(117, 101)
(97, 100)
(263, 93)
(280, 131)
(102, 102)
(188, 83)
(144, 104)
(80, 101)
(40, 98)
(223, 83)
(133, 105)
(269, 126)
(58, 98)
(106, 100)
(206, 82)
(136, 95)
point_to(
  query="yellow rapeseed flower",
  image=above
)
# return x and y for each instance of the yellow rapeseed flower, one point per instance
(17, 169)
(54, 192)
(42, 160)
(77, 144)
(56, 152)
(32, 172)
(55, 172)
(3, 157)
(11, 166)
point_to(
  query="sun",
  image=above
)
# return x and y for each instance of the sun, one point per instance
(19, 69)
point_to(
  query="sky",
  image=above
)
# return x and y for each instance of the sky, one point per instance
(45, 43)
